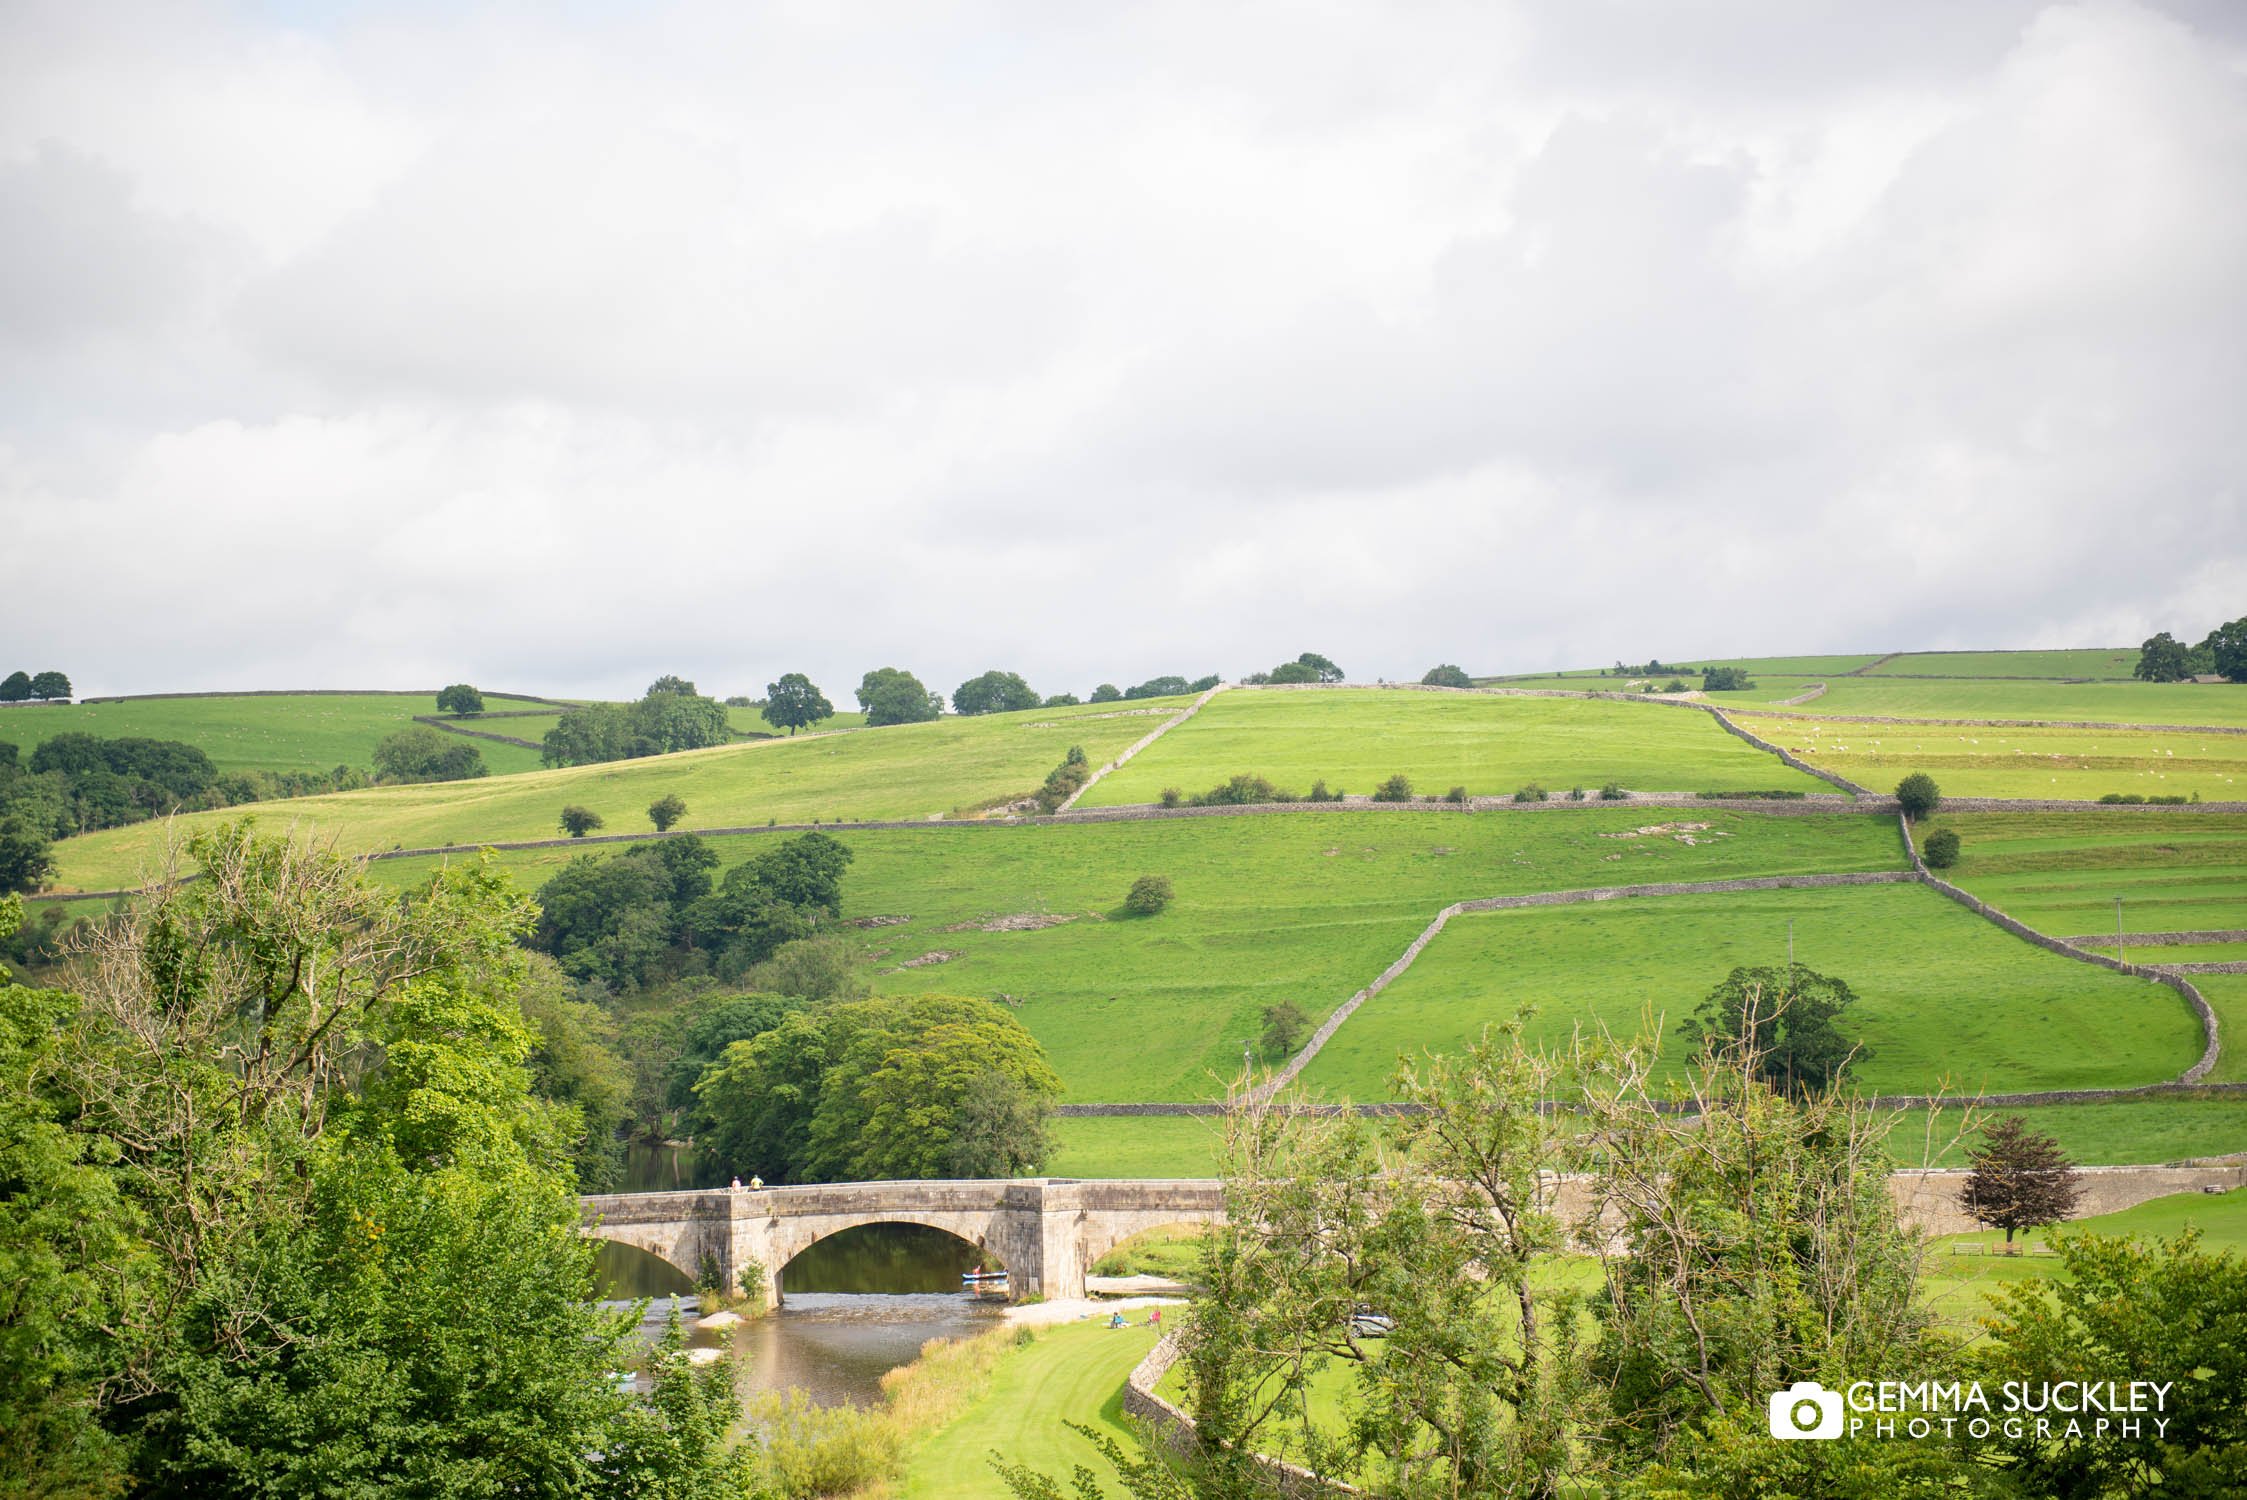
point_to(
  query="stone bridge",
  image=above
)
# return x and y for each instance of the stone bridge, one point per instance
(1047, 1232)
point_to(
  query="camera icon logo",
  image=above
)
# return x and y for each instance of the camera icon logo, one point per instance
(1805, 1409)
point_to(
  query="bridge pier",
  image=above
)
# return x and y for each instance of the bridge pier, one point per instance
(1047, 1232)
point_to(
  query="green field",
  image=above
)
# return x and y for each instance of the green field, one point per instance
(1945, 999)
(2092, 662)
(2112, 1133)
(1073, 1373)
(1306, 907)
(2223, 705)
(1355, 738)
(2061, 872)
(905, 771)
(265, 732)
(1971, 761)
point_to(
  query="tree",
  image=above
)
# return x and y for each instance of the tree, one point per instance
(1918, 795)
(1726, 680)
(578, 821)
(666, 810)
(1060, 700)
(2163, 658)
(1447, 675)
(1784, 1019)
(1285, 1026)
(1150, 896)
(2168, 1312)
(52, 685)
(590, 735)
(793, 703)
(1289, 672)
(1326, 669)
(1397, 788)
(710, 1030)
(995, 692)
(573, 1062)
(1107, 692)
(15, 687)
(460, 698)
(671, 721)
(670, 684)
(2226, 647)
(2021, 1179)
(892, 696)
(1941, 849)
(26, 858)
(418, 753)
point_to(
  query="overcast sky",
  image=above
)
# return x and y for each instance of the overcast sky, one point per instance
(556, 346)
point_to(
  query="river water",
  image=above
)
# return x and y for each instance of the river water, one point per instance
(853, 1307)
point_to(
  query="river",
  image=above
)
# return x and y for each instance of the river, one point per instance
(853, 1307)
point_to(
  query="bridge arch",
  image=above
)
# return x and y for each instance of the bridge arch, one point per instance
(996, 1235)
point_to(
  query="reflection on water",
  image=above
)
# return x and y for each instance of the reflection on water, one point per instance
(855, 1306)
(659, 1169)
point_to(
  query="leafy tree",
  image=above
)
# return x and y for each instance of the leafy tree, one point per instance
(1397, 788)
(2163, 658)
(820, 967)
(15, 687)
(672, 721)
(711, 1028)
(892, 696)
(666, 810)
(1941, 849)
(1918, 795)
(994, 692)
(1327, 670)
(50, 685)
(1165, 687)
(1784, 1018)
(670, 685)
(590, 735)
(2226, 647)
(418, 753)
(793, 703)
(1288, 672)
(1447, 675)
(1107, 692)
(460, 698)
(578, 821)
(26, 858)
(1150, 896)
(2169, 1312)
(1243, 790)
(2021, 1178)
(605, 919)
(1285, 1026)
(573, 1062)
(1060, 700)
(1000, 1128)
(1726, 680)
(893, 1087)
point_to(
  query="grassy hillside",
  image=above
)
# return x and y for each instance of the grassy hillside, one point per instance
(1074, 1373)
(258, 732)
(2223, 704)
(2114, 661)
(1305, 907)
(2061, 872)
(1942, 994)
(905, 771)
(1355, 738)
(1971, 761)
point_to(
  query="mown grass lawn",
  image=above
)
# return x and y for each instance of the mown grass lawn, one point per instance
(1354, 738)
(904, 771)
(1305, 907)
(1943, 996)
(1072, 1373)
(265, 732)
(1974, 761)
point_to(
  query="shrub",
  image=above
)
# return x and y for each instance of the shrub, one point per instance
(666, 810)
(1918, 795)
(1319, 793)
(1285, 1026)
(1612, 792)
(1397, 788)
(1535, 793)
(1448, 676)
(2122, 799)
(1064, 781)
(2174, 799)
(1172, 796)
(1941, 849)
(1242, 791)
(1150, 894)
(1576, 794)
(577, 821)
(460, 698)
(1674, 685)
(1457, 796)
(1726, 680)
